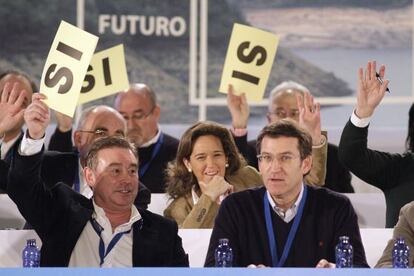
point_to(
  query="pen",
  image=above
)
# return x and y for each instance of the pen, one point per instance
(381, 81)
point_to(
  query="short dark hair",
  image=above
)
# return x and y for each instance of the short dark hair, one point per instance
(287, 128)
(18, 73)
(105, 143)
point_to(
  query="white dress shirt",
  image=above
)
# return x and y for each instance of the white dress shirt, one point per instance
(86, 251)
(153, 140)
(290, 213)
(5, 146)
(359, 122)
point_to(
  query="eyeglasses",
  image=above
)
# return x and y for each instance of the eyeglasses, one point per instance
(282, 159)
(139, 116)
(294, 113)
(101, 132)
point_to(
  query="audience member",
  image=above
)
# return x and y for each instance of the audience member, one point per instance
(73, 227)
(21, 83)
(138, 105)
(67, 167)
(285, 223)
(207, 168)
(307, 113)
(405, 229)
(392, 173)
(283, 103)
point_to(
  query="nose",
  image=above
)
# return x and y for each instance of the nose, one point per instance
(275, 165)
(210, 161)
(130, 123)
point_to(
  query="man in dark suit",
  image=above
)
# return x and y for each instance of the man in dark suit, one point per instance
(138, 105)
(140, 109)
(393, 173)
(283, 104)
(105, 231)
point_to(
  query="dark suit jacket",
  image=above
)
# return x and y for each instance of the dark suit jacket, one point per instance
(63, 167)
(154, 177)
(60, 214)
(393, 173)
(7, 160)
(4, 169)
(338, 178)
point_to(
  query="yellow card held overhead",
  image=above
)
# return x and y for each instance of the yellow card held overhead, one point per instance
(66, 66)
(249, 59)
(107, 75)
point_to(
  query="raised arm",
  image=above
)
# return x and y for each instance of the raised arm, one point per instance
(11, 107)
(25, 186)
(310, 119)
(381, 169)
(370, 90)
(239, 108)
(37, 117)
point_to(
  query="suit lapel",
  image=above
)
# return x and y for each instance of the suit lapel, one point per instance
(144, 243)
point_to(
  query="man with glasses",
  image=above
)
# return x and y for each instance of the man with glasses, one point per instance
(138, 105)
(95, 122)
(285, 223)
(283, 104)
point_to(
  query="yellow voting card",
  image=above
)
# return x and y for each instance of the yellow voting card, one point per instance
(249, 60)
(65, 68)
(107, 75)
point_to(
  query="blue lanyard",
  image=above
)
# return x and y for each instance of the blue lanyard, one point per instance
(144, 167)
(98, 229)
(271, 234)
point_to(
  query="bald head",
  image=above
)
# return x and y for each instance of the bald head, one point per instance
(138, 105)
(97, 122)
(283, 103)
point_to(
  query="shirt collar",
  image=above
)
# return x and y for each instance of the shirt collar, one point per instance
(100, 216)
(5, 146)
(153, 140)
(195, 196)
(290, 213)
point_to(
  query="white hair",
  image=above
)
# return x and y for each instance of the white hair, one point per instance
(286, 86)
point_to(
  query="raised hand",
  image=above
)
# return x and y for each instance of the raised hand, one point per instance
(11, 107)
(370, 90)
(216, 187)
(310, 116)
(238, 107)
(37, 117)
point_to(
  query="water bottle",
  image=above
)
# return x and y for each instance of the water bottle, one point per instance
(344, 253)
(223, 254)
(31, 254)
(400, 254)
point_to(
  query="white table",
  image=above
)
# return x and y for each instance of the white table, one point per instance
(195, 243)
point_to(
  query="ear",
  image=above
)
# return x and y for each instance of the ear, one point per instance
(157, 112)
(77, 138)
(306, 164)
(89, 177)
(187, 164)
